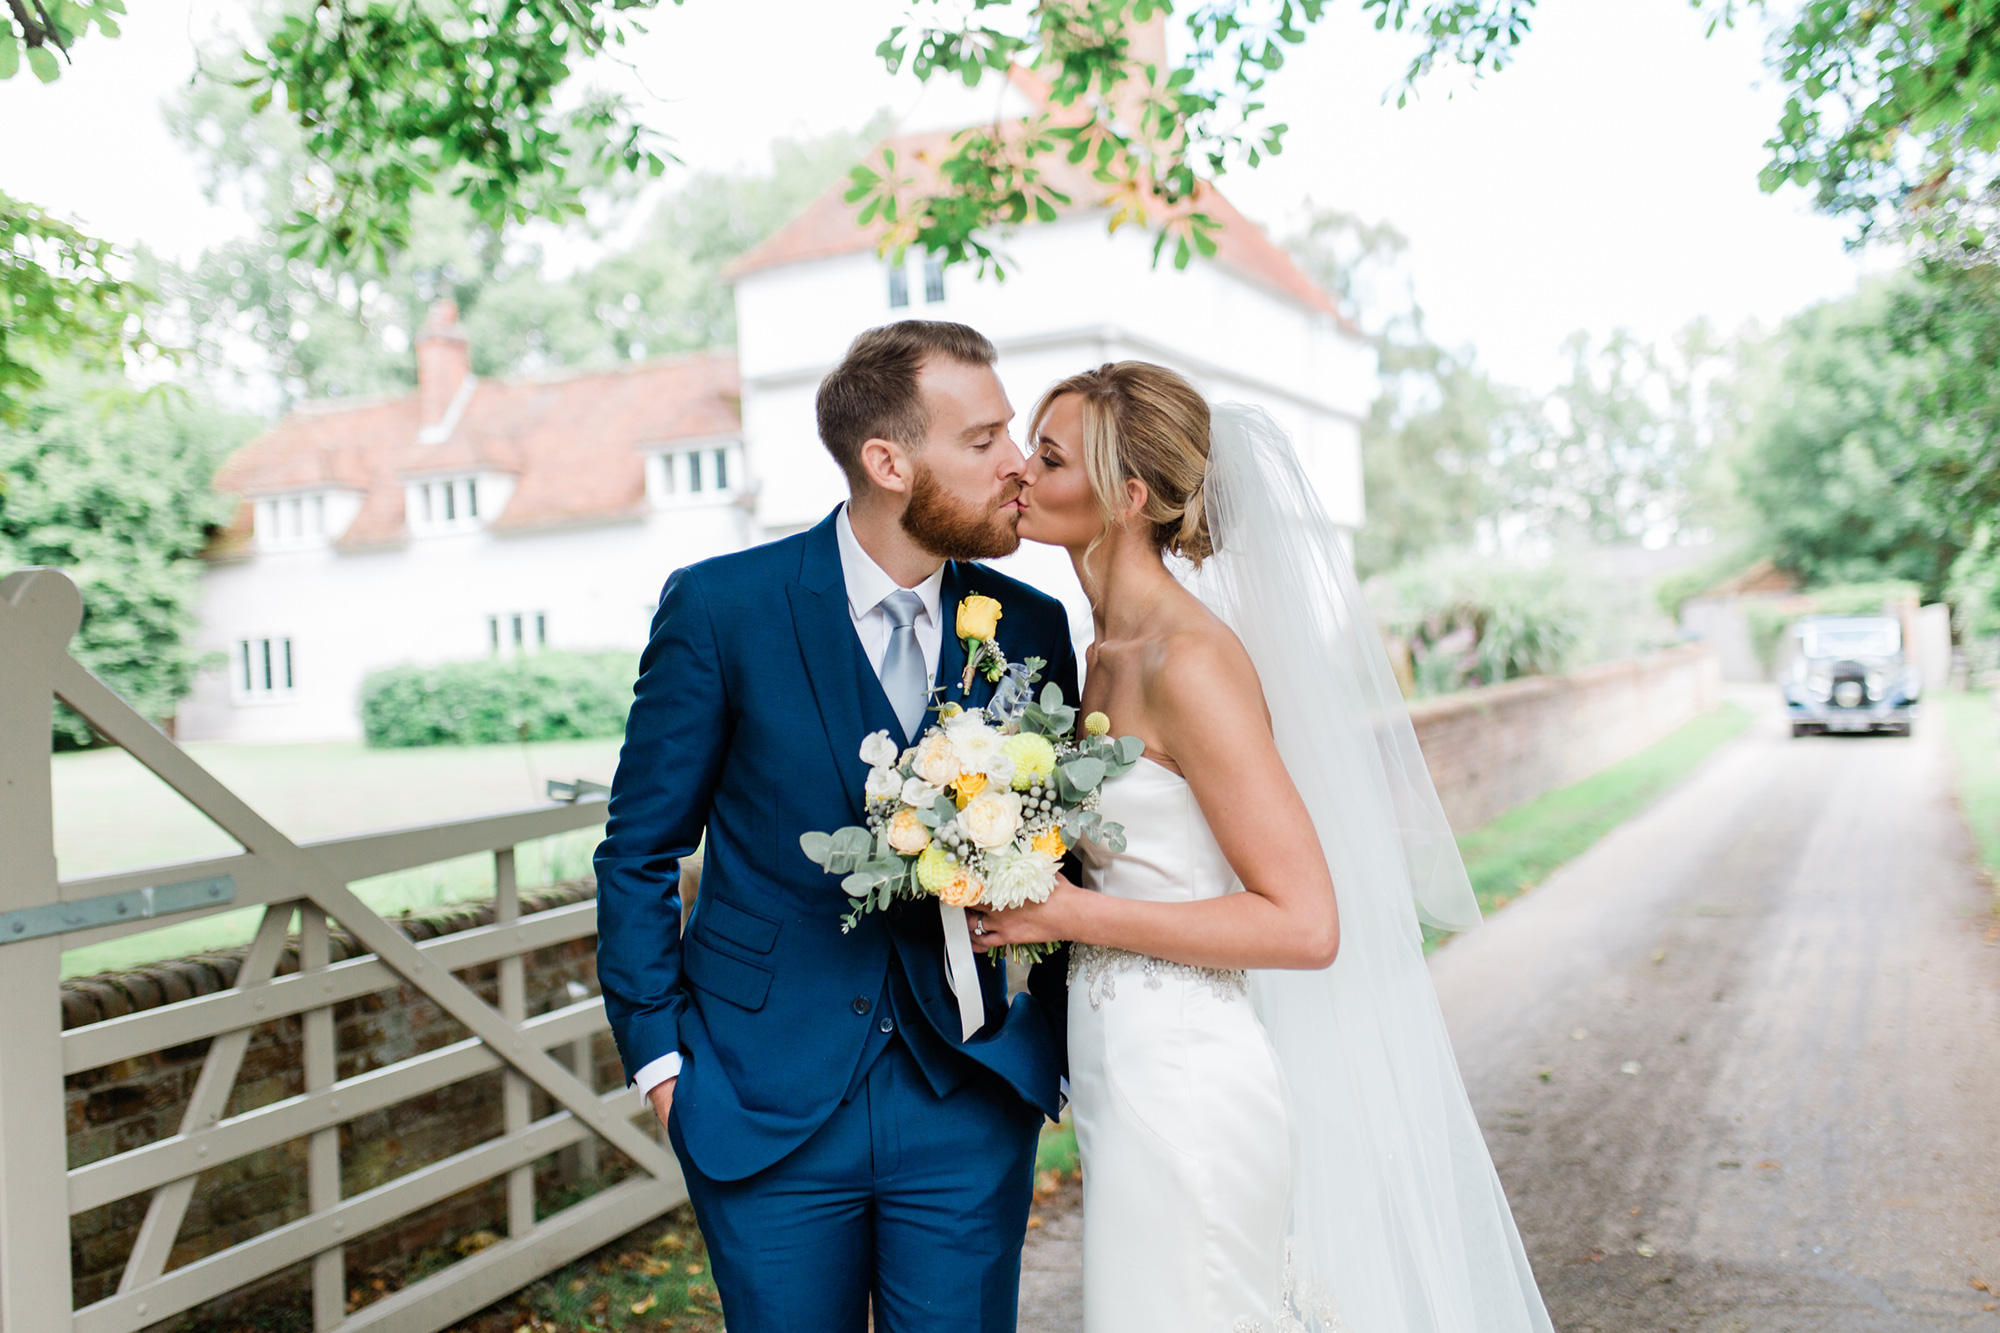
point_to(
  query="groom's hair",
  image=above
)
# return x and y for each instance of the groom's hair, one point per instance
(872, 394)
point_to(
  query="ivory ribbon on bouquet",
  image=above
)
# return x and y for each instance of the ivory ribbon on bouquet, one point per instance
(959, 970)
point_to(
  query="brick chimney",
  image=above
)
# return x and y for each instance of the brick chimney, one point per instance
(444, 359)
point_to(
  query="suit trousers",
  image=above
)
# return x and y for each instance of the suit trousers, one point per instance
(917, 1201)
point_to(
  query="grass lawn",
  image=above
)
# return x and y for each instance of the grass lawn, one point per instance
(1974, 728)
(111, 814)
(1510, 855)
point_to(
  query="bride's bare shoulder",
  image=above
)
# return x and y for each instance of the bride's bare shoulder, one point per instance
(1199, 664)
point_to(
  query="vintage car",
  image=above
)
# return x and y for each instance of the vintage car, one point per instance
(1848, 673)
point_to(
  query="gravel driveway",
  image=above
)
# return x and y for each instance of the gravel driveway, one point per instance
(1739, 1064)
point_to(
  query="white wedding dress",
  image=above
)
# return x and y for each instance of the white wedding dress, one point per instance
(1179, 1108)
(1289, 1151)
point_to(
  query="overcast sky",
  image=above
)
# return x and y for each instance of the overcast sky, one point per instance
(1607, 179)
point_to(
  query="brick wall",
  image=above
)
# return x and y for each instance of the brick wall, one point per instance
(125, 1105)
(1492, 749)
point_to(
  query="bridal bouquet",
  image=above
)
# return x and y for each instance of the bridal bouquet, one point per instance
(979, 812)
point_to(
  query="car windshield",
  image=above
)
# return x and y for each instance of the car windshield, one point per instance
(1881, 639)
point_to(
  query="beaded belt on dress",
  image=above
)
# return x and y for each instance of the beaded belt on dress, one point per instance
(1099, 965)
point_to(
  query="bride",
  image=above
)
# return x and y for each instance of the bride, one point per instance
(1273, 1129)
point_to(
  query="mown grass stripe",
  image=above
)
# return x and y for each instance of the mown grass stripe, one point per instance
(1974, 728)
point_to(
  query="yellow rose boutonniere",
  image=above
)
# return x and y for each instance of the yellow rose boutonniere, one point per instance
(978, 617)
(978, 621)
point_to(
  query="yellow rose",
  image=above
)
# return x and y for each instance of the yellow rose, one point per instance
(907, 833)
(1050, 844)
(963, 890)
(968, 786)
(1097, 724)
(978, 617)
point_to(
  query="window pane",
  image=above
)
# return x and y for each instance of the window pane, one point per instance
(424, 496)
(694, 471)
(493, 631)
(243, 652)
(899, 287)
(266, 643)
(517, 624)
(450, 502)
(298, 517)
(319, 516)
(472, 499)
(541, 627)
(288, 664)
(721, 469)
(933, 279)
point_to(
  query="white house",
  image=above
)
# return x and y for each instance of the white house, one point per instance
(481, 517)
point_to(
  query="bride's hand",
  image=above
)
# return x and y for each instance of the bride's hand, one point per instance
(1036, 923)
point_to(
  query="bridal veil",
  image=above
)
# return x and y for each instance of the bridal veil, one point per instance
(1399, 1223)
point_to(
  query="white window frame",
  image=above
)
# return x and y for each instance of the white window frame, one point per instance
(437, 505)
(291, 521)
(512, 634)
(263, 669)
(685, 474)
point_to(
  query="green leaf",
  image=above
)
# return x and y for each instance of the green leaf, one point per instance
(817, 847)
(43, 64)
(10, 55)
(1130, 748)
(1084, 773)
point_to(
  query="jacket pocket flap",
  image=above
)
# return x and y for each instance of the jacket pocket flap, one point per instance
(738, 925)
(741, 983)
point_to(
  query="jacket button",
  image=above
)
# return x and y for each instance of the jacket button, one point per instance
(861, 1004)
(887, 1024)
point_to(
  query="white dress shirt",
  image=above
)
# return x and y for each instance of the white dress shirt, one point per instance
(867, 585)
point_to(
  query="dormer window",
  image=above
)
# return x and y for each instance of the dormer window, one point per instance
(696, 472)
(899, 286)
(436, 505)
(303, 519)
(899, 281)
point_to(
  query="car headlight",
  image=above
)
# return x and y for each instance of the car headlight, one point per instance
(1878, 683)
(1820, 686)
(1848, 693)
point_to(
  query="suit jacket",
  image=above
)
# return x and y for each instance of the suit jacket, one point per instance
(754, 695)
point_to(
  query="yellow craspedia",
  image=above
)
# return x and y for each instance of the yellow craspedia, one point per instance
(964, 889)
(948, 710)
(1097, 724)
(1034, 758)
(968, 786)
(935, 869)
(978, 617)
(1050, 844)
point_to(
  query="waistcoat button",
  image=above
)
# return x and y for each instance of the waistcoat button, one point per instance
(861, 1004)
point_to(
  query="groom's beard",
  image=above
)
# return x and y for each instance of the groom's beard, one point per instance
(954, 531)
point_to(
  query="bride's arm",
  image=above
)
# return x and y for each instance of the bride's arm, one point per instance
(1209, 713)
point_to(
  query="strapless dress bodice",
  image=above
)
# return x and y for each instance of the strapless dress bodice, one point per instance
(1170, 852)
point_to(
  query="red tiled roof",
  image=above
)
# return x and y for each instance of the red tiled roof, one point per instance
(574, 443)
(827, 227)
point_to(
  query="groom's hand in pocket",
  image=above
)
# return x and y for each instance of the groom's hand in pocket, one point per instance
(662, 1098)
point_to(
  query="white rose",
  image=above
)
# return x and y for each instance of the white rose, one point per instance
(878, 751)
(1000, 770)
(916, 792)
(884, 784)
(937, 761)
(1015, 878)
(992, 818)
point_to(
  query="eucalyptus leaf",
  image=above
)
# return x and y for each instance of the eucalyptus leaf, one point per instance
(816, 846)
(859, 884)
(1084, 773)
(1051, 697)
(1112, 842)
(1130, 748)
(945, 809)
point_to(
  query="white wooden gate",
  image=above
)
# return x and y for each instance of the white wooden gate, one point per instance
(41, 916)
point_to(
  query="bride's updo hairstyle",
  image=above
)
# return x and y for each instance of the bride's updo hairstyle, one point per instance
(1143, 422)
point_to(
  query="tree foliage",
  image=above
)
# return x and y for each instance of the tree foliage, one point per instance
(394, 97)
(1836, 437)
(114, 488)
(62, 294)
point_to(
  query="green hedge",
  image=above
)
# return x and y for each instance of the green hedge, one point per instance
(548, 696)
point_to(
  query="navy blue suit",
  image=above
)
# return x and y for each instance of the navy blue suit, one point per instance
(838, 1137)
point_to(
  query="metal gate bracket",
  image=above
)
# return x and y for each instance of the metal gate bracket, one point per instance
(136, 905)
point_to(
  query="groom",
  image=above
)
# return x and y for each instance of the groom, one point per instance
(841, 1141)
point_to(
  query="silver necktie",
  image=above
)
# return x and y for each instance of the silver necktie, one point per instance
(904, 679)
